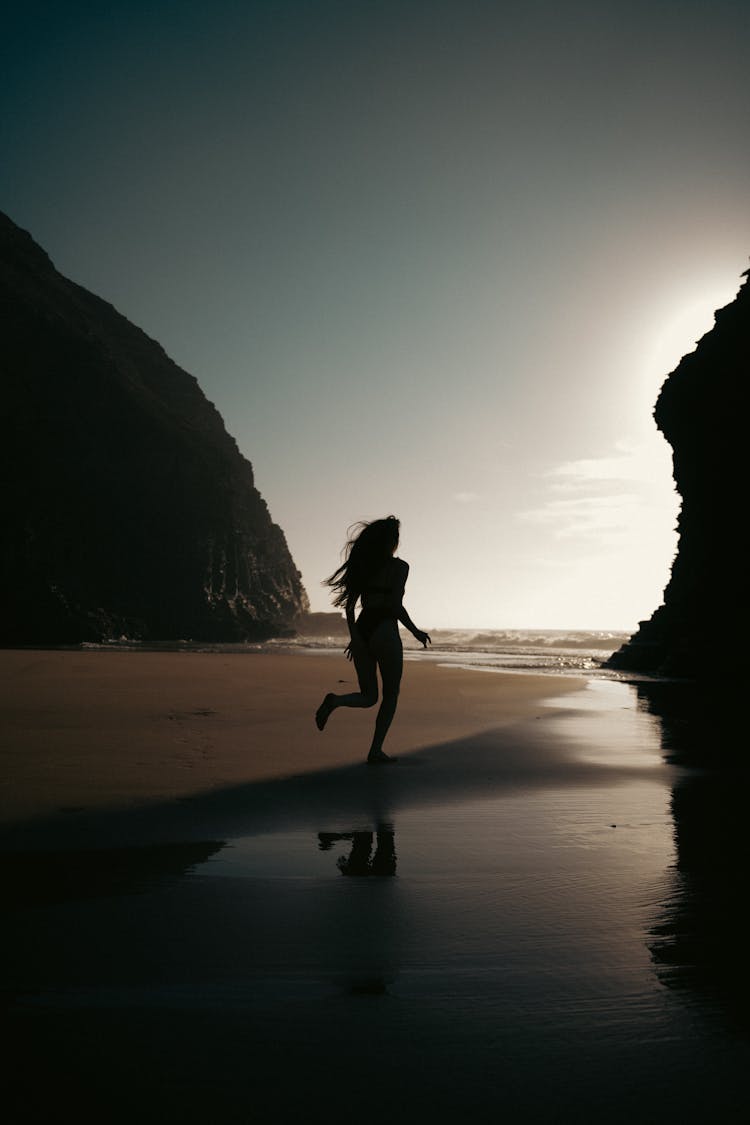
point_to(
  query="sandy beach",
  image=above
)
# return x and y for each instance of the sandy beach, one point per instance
(216, 912)
(95, 730)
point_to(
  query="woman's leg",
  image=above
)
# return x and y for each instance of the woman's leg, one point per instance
(367, 696)
(385, 645)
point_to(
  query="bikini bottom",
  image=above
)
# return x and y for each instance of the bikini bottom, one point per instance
(369, 619)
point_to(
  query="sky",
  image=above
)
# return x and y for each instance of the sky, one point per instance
(432, 259)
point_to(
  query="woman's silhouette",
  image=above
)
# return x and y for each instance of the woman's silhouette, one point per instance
(372, 573)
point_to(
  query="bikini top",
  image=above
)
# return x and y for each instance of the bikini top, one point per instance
(381, 594)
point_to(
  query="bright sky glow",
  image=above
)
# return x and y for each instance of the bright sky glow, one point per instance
(433, 259)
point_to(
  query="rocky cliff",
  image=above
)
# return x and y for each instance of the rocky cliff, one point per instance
(126, 506)
(700, 630)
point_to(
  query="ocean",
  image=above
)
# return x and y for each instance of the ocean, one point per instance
(555, 651)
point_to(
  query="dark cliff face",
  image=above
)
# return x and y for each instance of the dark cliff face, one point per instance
(127, 508)
(701, 411)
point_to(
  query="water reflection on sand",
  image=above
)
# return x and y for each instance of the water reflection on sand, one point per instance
(698, 941)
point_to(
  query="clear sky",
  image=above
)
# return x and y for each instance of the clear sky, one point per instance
(427, 258)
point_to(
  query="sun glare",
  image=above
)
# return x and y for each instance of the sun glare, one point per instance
(683, 319)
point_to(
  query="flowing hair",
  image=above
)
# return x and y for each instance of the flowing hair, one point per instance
(367, 550)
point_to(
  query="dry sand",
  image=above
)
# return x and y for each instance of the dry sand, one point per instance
(91, 730)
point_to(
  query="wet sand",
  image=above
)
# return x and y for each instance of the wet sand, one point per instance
(261, 927)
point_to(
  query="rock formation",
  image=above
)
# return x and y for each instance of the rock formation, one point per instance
(127, 508)
(698, 630)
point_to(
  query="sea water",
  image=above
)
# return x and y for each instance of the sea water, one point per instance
(552, 651)
(521, 650)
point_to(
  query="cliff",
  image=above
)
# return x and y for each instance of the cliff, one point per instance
(698, 630)
(127, 508)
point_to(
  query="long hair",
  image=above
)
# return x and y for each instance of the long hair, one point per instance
(367, 550)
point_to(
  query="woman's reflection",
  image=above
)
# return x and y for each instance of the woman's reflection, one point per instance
(361, 861)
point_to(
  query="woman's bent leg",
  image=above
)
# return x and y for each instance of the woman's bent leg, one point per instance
(366, 668)
(386, 647)
(367, 696)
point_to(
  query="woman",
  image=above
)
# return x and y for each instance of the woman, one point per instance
(372, 573)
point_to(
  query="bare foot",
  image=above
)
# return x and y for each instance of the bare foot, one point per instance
(379, 758)
(323, 712)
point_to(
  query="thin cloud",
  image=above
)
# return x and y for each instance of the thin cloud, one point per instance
(626, 466)
(586, 517)
(595, 500)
